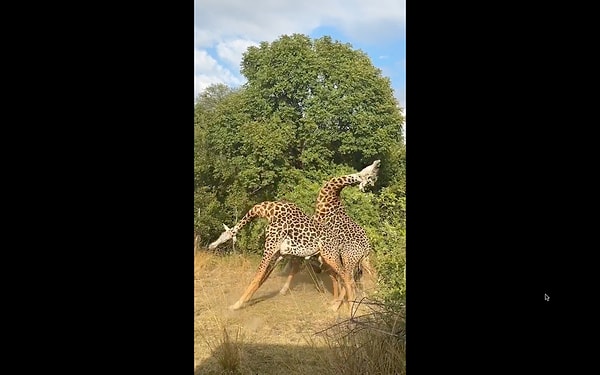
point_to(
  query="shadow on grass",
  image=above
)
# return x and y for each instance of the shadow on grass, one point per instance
(368, 343)
(264, 359)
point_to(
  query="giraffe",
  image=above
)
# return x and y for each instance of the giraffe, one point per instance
(354, 244)
(290, 231)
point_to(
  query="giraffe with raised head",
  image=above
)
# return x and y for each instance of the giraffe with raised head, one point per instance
(290, 232)
(354, 244)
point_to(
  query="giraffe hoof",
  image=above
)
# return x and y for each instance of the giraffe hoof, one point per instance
(335, 305)
(283, 291)
(235, 306)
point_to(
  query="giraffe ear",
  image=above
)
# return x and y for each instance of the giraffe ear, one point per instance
(226, 227)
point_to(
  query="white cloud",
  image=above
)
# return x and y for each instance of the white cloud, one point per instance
(230, 26)
(369, 21)
(266, 20)
(232, 51)
(400, 95)
(255, 20)
(204, 38)
(208, 71)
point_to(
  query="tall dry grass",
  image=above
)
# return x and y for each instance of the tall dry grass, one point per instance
(228, 351)
(369, 343)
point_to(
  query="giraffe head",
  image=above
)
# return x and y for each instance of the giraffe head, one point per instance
(368, 175)
(227, 235)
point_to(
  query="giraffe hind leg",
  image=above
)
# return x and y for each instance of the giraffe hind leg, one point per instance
(295, 267)
(334, 283)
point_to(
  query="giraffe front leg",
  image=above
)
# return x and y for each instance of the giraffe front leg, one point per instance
(264, 270)
(293, 271)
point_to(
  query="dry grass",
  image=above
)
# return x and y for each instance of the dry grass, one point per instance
(273, 334)
(368, 343)
(227, 351)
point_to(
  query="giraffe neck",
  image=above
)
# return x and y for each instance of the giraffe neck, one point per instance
(264, 210)
(328, 200)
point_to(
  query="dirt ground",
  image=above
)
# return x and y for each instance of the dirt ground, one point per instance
(273, 333)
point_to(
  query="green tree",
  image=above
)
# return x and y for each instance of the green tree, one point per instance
(340, 107)
(310, 110)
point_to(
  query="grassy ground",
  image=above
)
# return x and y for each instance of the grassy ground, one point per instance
(273, 334)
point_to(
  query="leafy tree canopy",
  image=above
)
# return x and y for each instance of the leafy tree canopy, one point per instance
(310, 110)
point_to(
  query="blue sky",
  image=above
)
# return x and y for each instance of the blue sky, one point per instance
(224, 29)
